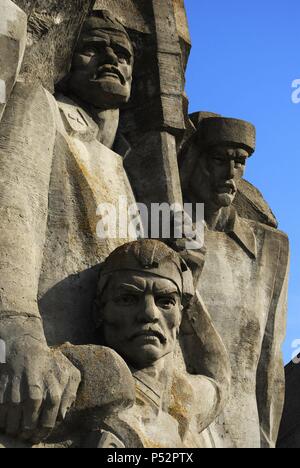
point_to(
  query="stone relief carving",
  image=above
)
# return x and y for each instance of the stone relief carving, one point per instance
(13, 28)
(137, 389)
(181, 348)
(244, 260)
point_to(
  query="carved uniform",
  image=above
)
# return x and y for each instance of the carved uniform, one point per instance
(53, 175)
(244, 285)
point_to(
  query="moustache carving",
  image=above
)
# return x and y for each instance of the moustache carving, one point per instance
(149, 331)
(111, 69)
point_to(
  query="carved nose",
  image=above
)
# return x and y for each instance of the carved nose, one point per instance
(111, 57)
(149, 311)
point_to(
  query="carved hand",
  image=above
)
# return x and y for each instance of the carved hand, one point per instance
(38, 385)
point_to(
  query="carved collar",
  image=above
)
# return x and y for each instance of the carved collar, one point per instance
(149, 390)
(80, 124)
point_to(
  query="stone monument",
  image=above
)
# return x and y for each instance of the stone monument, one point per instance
(244, 282)
(13, 28)
(144, 290)
(110, 339)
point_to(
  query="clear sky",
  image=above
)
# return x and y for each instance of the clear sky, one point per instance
(245, 57)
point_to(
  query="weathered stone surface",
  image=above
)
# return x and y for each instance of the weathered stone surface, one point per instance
(150, 167)
(289, 434)
(174, 402)
(13, 28)
(167, 396)
(53, 28)
(249, 313)
(250, 204)
(243, 284)
(159, 365)
(107, 388)
(157, 101)
(54, 174)
(249, 201)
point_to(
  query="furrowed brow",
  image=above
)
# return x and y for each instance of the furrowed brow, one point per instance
(167, 291)
(131, 288)
(122, 47)
(95, 39)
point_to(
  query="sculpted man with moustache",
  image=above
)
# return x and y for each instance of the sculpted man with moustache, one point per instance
(63, 163)
(243, 284)
(144, 292)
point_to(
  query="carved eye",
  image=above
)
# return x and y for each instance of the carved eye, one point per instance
(122, 59)
(122, 54)
(127, 300)
(165, 302)
(89, 51)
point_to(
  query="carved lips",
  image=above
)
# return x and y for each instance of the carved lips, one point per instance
(149, 335)
(109, 71)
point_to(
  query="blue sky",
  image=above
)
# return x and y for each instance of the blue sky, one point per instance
(245, 57)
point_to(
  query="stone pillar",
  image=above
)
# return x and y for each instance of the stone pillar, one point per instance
(153, 121)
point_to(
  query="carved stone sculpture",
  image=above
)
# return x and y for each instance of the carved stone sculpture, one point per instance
(136, 388)
(52, 33)
(244, 283)
(108, 341)
(145, 293)
(54, 173)
(13, 29)
(58, 164)
(249, 201)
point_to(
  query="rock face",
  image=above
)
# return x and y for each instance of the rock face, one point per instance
(13, 26)
(53, 28)
(245, 259)
(109, 339)
(250, 204)
(289, 434)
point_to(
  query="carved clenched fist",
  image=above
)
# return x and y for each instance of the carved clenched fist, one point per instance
(38, 385)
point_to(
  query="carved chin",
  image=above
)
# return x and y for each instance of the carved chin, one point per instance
(144, 357)
(110, 89)
(106, 92)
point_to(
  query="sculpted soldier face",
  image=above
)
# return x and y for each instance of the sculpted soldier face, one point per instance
(217, 174)
(141, 317)
(102, 66)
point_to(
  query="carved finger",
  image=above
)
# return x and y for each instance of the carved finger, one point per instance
(51, 407)
(32, 409)
(70, 393)
(4, 380)
(15, 394)
(67, 402)
(4, 387)
(14, 413)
